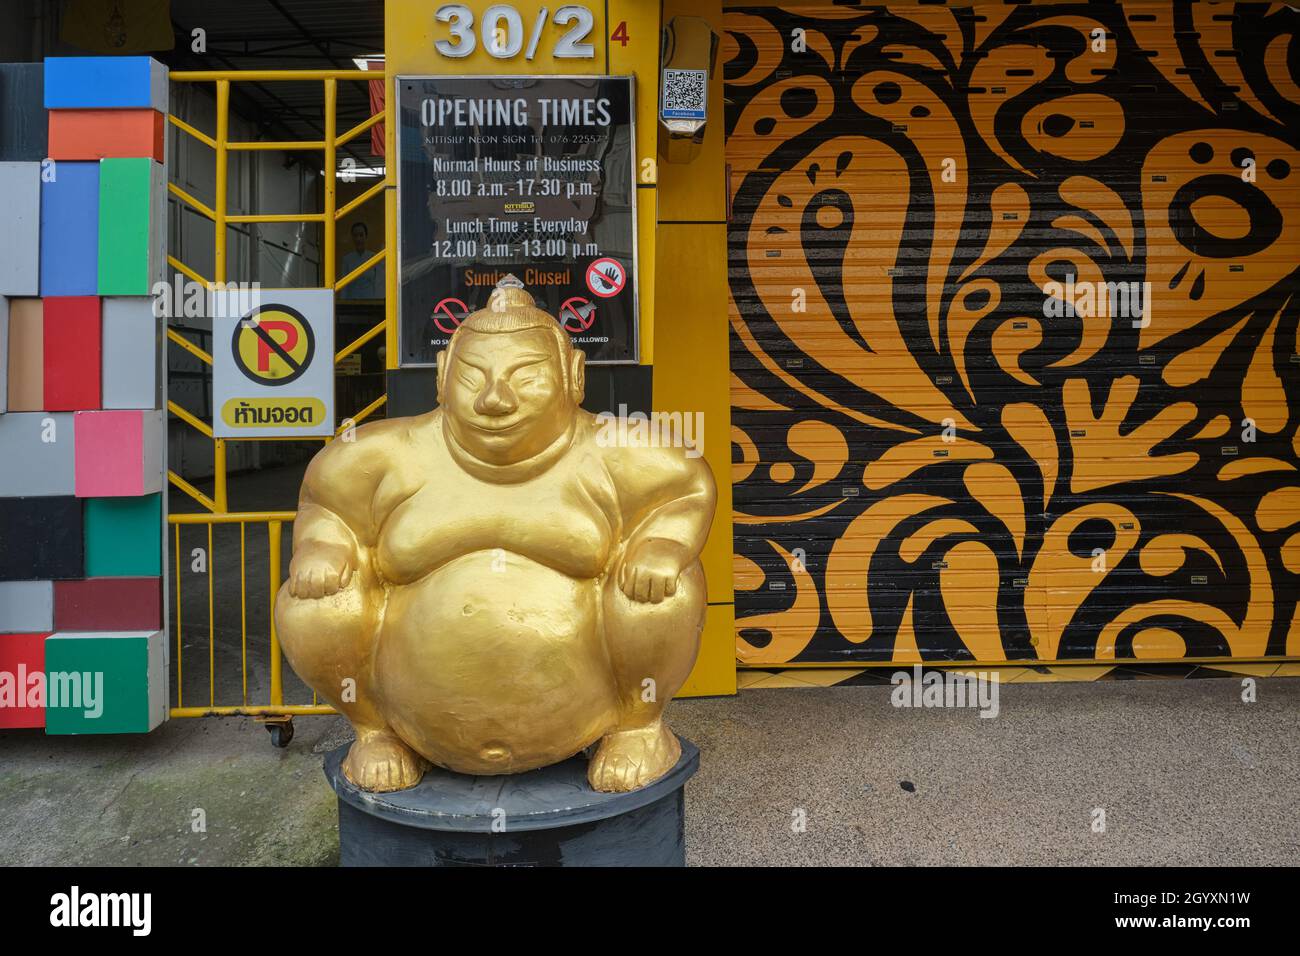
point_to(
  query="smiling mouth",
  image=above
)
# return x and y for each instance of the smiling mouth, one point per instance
(498, 429)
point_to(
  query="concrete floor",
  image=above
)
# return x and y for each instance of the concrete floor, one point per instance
(1186, 772)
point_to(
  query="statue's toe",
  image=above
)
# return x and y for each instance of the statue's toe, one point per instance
(380, 763)
(629, 759)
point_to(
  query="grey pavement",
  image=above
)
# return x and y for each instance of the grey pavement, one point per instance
(1186, 773)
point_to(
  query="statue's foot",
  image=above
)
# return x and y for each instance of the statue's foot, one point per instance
(630, 759)
(379, 762)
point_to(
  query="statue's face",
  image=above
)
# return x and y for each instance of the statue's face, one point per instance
(504, 395)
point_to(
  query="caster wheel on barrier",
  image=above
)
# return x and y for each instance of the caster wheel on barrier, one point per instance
(281, 732)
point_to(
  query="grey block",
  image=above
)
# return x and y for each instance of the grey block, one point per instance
(157, 678)
(24, 128)
(158, 218)
(20, 239)
(26, 606)
(153, 452)
(34, 467)
(4, 354)
(160, 86)
(132, 339)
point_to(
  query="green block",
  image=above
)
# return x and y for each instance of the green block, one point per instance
(124, 537)
(104, 682)
(132, 199)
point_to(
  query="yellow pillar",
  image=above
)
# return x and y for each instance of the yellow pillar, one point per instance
(691, 357)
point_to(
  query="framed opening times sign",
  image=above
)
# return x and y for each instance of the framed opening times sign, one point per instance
(528, 175)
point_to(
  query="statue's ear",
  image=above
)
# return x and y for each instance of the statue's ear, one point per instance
(578, 376)
(442, 372)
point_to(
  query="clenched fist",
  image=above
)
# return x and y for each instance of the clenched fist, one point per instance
(320, 571)
(651, 568)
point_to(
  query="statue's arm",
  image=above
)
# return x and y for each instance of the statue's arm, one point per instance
(325, 552)
(668, 501)
(335, 517)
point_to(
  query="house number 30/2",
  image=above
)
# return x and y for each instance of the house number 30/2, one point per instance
(504, 35)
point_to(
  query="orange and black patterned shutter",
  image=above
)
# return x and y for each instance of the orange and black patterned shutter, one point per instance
(1013, 331)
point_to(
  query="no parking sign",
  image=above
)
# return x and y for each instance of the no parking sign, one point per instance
(272, 363)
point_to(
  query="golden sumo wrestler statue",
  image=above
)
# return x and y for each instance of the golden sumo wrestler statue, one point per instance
(501, 587)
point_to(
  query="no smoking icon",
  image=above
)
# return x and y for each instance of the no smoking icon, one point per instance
(448, 314)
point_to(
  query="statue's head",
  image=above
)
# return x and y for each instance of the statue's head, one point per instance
(510, 381)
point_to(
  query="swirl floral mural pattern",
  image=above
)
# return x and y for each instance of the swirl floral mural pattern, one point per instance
(1015, 293)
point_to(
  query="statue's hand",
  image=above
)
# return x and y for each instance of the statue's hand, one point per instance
(651, 568)
(320, 571)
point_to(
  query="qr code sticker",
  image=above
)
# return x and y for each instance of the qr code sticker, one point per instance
(685, 93)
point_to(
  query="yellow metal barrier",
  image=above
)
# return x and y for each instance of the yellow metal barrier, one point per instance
(274, 521)
(215, 507)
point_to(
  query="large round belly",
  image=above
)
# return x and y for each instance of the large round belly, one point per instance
(495, 664)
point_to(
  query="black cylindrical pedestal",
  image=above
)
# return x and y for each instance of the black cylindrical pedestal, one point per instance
(546, 817)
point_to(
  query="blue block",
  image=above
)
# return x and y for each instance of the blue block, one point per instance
(70, 230)
(105, 82)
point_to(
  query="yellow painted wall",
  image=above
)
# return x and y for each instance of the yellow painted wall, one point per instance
(691, 345)
(690, 376)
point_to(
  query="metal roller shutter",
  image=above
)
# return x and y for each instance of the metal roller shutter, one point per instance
(943, 449)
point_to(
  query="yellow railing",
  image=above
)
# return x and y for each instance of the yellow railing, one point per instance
(216, 507)
(274, 522)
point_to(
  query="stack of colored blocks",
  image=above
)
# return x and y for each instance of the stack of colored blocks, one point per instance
(82, 392)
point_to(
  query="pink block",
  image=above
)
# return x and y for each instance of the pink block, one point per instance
(118, 453)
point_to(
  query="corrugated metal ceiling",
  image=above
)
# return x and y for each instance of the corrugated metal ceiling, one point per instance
(282, 35)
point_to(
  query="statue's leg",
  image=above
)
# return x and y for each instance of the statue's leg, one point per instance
(652, 648)
(330, 643)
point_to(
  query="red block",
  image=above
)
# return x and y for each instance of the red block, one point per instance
(105, 134)
(108, 604)
(21, 657)
(72, 353)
